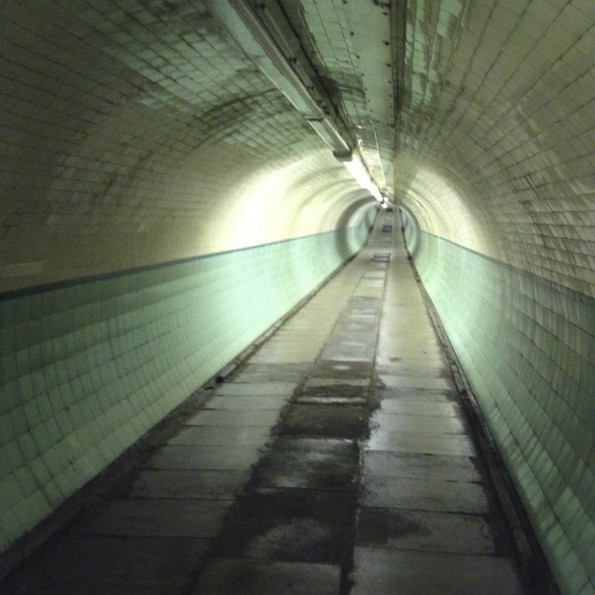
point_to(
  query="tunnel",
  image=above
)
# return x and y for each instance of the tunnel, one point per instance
(180, 177)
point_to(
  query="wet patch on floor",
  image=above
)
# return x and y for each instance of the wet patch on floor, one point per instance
(326, 421)
(289, 525)
(308, 463)
(430, 531)
(334, 394)
(341, 370)
(334, 388)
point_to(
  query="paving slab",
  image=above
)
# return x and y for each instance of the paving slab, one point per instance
(412, 349)
(420, 466)
(288, 525)
(252, 402)
(349, 351)
(357, 326)
(393, 381)
(391, 572)
(315, 383)
(274, 372)
(237, 417)
(449, 444)
(245, 577)
(308, 463)
(415, 406)
(433, 424)
(387, 358)
(221, 435)
(331, 400)
(344, 369)
(421, 367)
(255, 388)
(427, 531)
(159, 517)
(421, 494)
(325, 420)
(123, 564)
(204, 457)
(335, 388)
(184, 483)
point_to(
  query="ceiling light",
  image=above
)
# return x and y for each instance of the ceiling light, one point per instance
(356, 168)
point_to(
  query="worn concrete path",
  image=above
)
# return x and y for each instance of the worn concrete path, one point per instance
(337, 460)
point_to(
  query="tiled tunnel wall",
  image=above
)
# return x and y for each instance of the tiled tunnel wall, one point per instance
(526, 345)
(136, 133)
(89, 367)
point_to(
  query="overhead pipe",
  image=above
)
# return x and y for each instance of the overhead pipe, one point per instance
(247, 30)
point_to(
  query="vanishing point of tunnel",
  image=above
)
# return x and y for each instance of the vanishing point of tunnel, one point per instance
(297, 297)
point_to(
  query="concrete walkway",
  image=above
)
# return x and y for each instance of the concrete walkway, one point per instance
(335, 461)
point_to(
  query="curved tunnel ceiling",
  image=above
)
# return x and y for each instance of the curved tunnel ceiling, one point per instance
(496, 131)
(151, 132)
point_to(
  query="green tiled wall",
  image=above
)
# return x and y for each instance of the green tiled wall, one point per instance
(528, 349)
(87, 369)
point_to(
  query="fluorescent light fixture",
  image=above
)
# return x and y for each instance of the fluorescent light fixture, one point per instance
(356, 168)
(244, 26)
(327, 131)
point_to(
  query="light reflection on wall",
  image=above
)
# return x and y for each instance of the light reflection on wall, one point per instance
(441, 207)
(290, 200)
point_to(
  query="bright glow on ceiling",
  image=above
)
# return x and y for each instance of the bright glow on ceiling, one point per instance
(285, 200)
(361, 176)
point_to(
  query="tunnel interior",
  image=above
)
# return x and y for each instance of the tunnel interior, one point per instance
(178, 175)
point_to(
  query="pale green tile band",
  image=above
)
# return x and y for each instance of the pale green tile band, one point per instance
(88, 368)
(527, 349)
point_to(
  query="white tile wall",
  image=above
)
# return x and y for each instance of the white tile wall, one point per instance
(510, 127)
